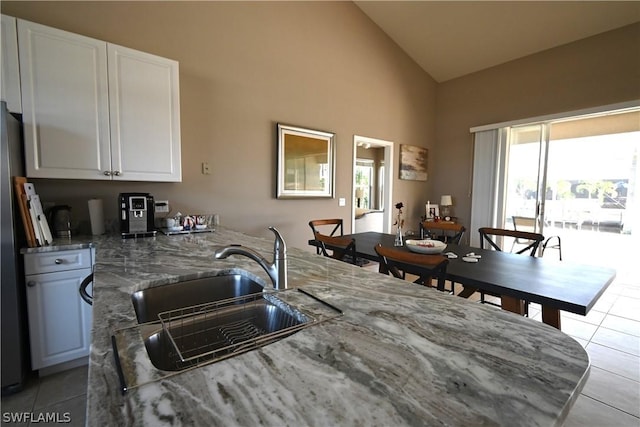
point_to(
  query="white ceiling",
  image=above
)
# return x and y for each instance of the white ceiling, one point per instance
(449, 39)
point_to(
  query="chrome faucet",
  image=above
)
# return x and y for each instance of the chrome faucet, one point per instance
(277, 270)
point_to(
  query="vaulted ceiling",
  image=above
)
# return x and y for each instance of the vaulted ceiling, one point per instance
(450, 39)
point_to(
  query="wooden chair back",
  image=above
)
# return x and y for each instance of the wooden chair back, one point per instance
(489, 235)
(334, 224)
(450, 232)
(398, 262)
(342, 248)
(328, 227)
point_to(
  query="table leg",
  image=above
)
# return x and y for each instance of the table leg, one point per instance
(551, 316)
(512, 304)
(467, 291)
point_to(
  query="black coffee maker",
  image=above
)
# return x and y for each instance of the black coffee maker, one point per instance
(136, 215)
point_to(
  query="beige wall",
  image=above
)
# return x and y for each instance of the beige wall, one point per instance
(597, 71)
(246, 66)
(243, 68)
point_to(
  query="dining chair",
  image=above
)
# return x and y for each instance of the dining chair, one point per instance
(448, 232)
(426, 267)
(523, 223)
(329, 227)
(494, 237)
(342, 248)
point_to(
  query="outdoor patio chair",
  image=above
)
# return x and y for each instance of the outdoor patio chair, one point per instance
(522, 223)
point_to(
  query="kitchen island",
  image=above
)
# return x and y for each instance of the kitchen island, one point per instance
(401, 354)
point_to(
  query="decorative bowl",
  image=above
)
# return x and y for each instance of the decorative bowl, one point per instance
(426, 246)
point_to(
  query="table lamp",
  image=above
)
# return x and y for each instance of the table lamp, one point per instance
(446, 203)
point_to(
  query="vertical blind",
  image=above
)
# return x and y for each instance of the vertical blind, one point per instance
(487, 201)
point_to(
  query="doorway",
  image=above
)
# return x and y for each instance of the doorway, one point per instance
(372, 185)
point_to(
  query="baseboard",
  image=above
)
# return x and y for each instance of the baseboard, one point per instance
(63, 366)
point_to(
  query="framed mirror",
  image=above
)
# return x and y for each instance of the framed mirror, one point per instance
(306, 162)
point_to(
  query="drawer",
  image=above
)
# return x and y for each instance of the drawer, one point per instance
(47, 262)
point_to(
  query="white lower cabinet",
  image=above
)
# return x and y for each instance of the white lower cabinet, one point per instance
(59, 320)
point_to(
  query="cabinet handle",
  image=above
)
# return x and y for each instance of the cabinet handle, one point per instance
(107, 173)
(31, 283)
(59, 261)
(116, 173)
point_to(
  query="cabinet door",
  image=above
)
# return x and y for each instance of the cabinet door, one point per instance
(65, 103)
(144, 105)
(59, 320)
(10, 81)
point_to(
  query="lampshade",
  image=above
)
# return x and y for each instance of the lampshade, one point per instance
(359, 193)
(446, 200)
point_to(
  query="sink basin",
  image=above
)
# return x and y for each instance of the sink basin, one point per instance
(180, 332)
(190, 337)
(148, 303)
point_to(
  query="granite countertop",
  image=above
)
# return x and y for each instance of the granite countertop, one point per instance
(61, 244)
(401, 354)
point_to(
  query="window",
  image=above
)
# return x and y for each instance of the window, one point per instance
(364, 181)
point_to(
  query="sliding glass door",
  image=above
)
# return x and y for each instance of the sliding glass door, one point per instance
(526, 177)
(574, 178)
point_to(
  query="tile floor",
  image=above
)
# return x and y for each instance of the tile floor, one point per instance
(611, 335)
(61, 396)
(611, 396)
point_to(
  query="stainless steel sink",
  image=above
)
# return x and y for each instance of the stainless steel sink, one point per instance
(148, 303)
(186, 338)
(190, 324)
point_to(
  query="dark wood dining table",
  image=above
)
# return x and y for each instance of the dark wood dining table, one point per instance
(555, 285)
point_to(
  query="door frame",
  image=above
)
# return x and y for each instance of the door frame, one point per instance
(388, 178)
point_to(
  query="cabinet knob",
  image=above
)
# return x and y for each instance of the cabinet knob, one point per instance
(59, 261)
(31, 283)
(116, 173)
(107, 173)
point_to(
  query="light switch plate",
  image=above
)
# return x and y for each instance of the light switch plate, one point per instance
(205, 168)
(342, 201)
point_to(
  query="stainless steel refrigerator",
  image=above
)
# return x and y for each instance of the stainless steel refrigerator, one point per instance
(15, 356)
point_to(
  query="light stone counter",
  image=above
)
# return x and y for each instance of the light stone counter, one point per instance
(401, 354)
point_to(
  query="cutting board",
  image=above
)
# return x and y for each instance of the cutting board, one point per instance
(18, 184)
(40, 221)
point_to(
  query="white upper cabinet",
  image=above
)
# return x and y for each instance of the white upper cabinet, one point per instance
(10, 81)
(145, 115)
(65, 103)
(93, 110)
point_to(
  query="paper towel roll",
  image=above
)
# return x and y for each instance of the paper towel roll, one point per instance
(96, 215)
